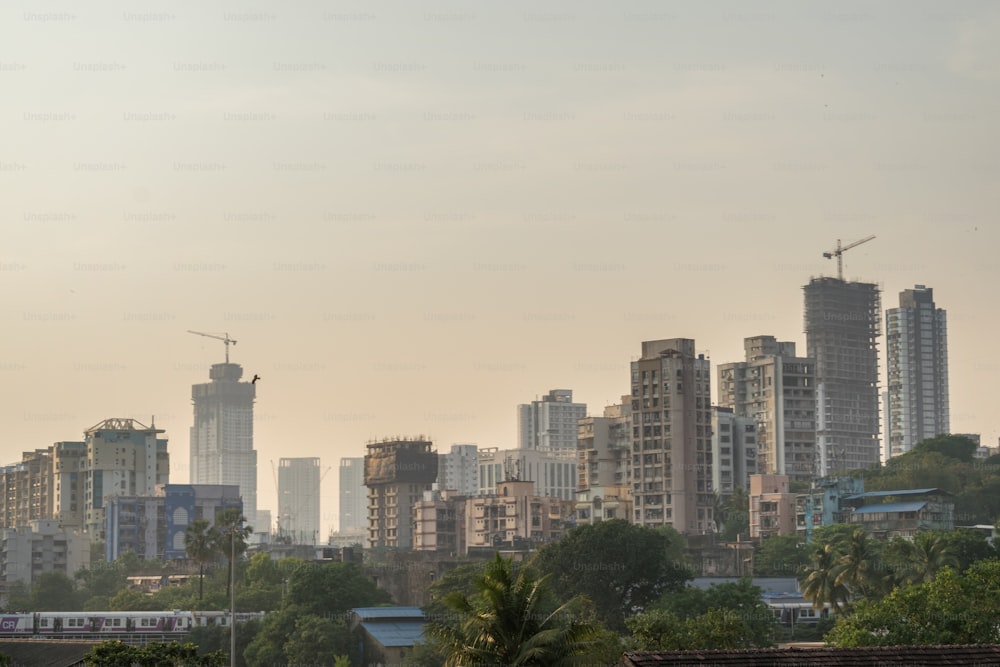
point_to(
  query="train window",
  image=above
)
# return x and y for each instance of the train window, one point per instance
(116, 622)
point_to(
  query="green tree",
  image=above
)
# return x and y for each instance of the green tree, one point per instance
(19, 597)
(821, 580)
(201, 543)
(54, 591)
(317, 640)
(736, 515)
(98, 583)
(231, 538)
(929, 554)
(858, 567)
(780, 556)
(513, 621)
(968, 546)
(326, 591)
(154, 654)
(620, 567)
(729, 615)
(951, 609)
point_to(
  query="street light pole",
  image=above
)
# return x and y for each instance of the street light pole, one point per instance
(232, 597)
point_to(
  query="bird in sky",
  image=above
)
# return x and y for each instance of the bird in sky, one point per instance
(255, 378)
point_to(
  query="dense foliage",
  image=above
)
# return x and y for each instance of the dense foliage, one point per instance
(513, 620)
(951, 609)
(620, 567)
(154, 654)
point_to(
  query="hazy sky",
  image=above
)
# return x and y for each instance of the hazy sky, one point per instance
(414, 216)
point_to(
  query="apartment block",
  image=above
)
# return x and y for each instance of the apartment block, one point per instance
(40, 546)
(515, 516)
(842, 324)
(549, 424)
(26, 489)
(397, 472)
(671, 437)
(734, 451)
(917, 351)
(777, 389)
(553, 473)
(458, 470)
(299, 500)
(772, 506)
(352, 495)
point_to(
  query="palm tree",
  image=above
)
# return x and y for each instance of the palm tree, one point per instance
(200, 543)
(858, 566)
(511, 622)
(929, 553)
(821, 583)
(231, 538)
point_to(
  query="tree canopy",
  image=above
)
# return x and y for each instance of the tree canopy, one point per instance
(620, 567)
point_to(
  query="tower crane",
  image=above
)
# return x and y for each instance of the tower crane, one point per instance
(838, 253)
(223, 337)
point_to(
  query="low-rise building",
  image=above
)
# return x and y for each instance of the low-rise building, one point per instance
(42, 546)
(824, 504)
(155, 526)
(515, 516)
(772, 507)
(439, 522)
(902, 513)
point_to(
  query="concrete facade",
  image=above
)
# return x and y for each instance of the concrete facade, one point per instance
(772, 506)
(671, 437)
(119, 457)
(352, 495)
(553, 473)
(842, 325)
(777, 389)
(42, 546)
(734, 451)
(222, 449)
(917, 351)
(397, 472)
(549, 424)
(298, 499)
(458, 470)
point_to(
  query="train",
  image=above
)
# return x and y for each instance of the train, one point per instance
(114, 624)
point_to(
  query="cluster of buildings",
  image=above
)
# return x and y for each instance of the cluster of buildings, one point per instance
(784, 425)
(111, 490)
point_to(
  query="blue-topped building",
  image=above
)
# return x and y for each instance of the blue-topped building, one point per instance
(386, 635)
(154, 526)
(824, 504)
(903, 512)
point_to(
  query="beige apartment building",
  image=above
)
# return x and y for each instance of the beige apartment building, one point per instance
(772, 506)
(777, 390)
(671, 437)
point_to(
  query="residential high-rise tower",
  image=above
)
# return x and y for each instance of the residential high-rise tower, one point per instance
(222, 449)
(298, 500)
(842, 324)
(917, 352)
(671, 437)
(550, 425)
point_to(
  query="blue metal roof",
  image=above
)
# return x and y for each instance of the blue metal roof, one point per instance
(376, 613)
(891, 507)
(900, 492)
(395, 633)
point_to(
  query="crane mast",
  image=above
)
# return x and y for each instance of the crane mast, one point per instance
(223, 337)
(838, 252)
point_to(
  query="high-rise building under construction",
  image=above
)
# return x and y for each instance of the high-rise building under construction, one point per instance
(842, 326)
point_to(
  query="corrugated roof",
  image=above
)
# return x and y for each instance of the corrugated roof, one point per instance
(892, 507)
(900, 492)
(874, 656)
(366, 613)
(395, 633)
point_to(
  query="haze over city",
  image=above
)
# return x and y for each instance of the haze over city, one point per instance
(414, 218)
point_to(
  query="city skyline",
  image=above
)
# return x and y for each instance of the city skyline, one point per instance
(413, 220)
